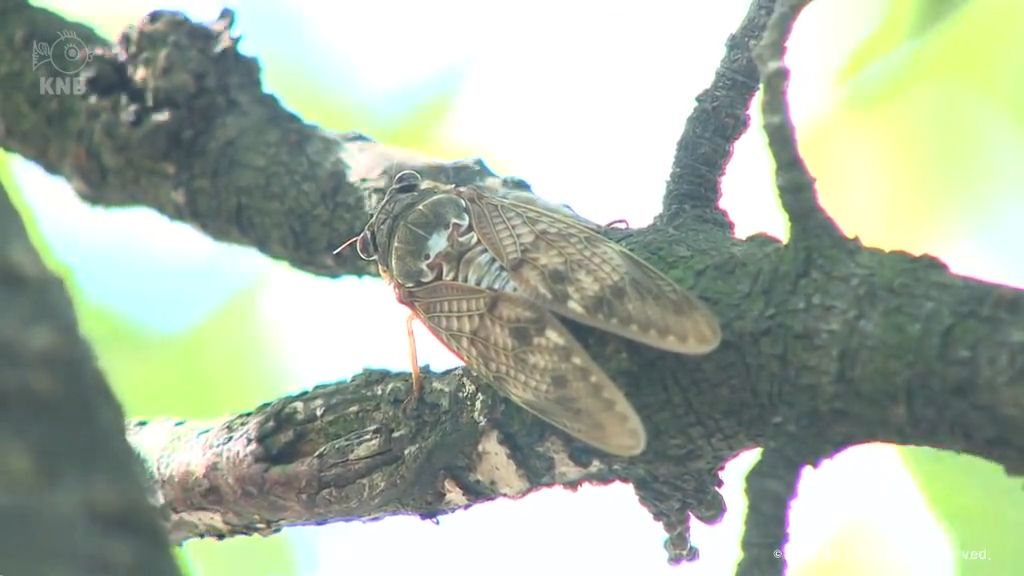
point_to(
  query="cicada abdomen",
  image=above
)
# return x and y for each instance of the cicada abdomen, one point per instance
(487, 274)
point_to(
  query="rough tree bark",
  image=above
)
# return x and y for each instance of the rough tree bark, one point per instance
(827, 344)
(71, 492)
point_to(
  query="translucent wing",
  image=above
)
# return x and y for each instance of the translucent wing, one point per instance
(572, 270)
(531, 358)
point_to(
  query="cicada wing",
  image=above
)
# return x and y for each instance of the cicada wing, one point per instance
(531, 358)
(573, 271)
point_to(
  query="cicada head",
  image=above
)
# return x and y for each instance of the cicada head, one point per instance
(375, 238)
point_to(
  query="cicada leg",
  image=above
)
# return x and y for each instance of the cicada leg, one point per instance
(417, 384)
(620, 223)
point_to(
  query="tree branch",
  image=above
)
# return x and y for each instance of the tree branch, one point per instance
(347, 452)
(71, 496)
(773, 481)
(175, 119)
(714, 126)
(862, 346)
(810, 227)
(771, 485)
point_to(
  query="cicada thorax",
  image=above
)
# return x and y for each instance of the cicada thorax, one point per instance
(435, 240)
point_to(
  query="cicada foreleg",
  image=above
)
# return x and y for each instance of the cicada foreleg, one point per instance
(417, 383)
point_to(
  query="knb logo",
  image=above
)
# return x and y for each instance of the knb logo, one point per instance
(67, 55)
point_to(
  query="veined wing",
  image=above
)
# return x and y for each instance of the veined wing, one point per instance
(531, 358)
(571, 270)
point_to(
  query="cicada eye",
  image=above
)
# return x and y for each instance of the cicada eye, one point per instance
(406, 181)
(366, 246)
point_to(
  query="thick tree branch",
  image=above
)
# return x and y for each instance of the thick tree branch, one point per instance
(860, 346)
(855, 355)
(71, 495)
(714, 126)
(175, 119)
(810, 227)
(773, 481)
(348, 452)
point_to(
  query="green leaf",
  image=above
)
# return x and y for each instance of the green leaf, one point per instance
(225, 365)
(980, 506)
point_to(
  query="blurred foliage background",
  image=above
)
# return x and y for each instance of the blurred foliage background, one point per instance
(909, 115)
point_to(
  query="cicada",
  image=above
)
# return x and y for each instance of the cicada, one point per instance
(490, 274)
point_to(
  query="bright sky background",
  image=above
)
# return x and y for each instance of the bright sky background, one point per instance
(639, 77)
